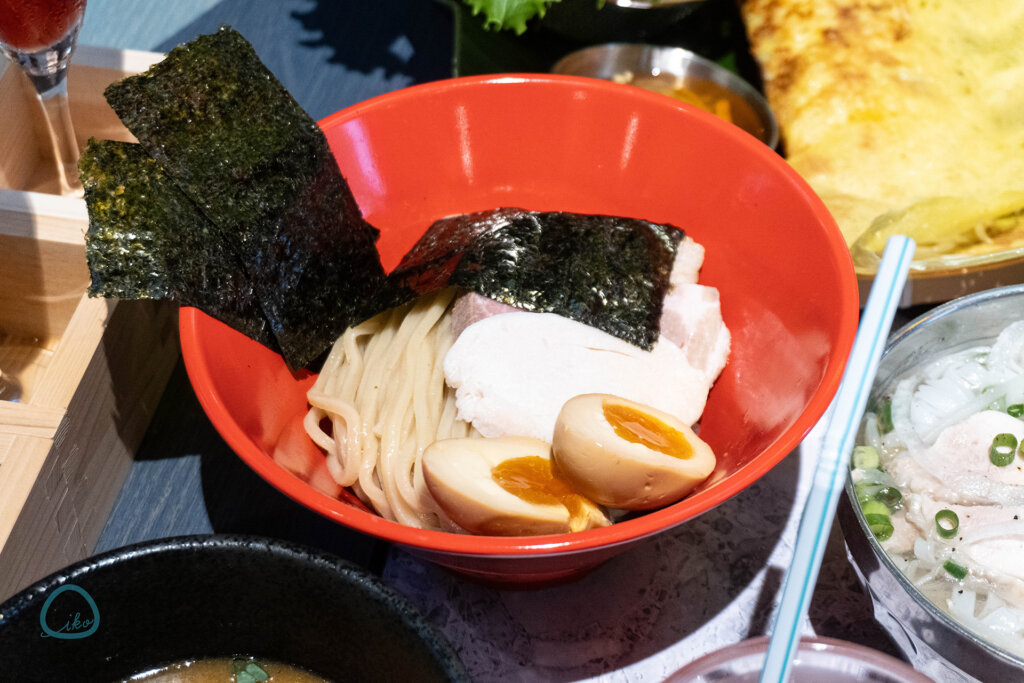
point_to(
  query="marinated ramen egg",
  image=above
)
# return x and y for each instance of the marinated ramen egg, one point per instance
(505, 486)
(627, 455)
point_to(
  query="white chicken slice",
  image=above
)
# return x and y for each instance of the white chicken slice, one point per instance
(691, 318)
(989, 541)
(513, 372)
(959, 461)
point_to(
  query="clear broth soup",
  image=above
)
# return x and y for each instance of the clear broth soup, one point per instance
(227, 670)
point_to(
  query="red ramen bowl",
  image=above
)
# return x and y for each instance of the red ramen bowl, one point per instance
(563, 143)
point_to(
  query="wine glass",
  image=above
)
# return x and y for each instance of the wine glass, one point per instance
(39, 36)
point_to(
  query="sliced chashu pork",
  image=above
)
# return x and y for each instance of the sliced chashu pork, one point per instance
(691, 316)
(688, 262)
(512, 370)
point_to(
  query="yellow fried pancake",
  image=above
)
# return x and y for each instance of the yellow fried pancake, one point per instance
(905, 116)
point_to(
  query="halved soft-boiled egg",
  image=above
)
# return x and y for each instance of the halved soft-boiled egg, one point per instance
(505, 486)
(627, 455)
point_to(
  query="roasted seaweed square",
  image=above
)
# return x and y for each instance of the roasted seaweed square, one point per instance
(147, 240)
(608, 272)
(237, 144)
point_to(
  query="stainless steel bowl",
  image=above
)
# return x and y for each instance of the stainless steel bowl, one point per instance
(932, 640)
(611, 61)
(587, 22)
(650, 4)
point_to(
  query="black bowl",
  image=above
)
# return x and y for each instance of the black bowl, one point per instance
(135, 608)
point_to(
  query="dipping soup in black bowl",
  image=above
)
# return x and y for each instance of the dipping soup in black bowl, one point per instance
(258, 605)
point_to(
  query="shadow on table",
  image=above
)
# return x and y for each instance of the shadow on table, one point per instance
(186, 480)
(632, 608)
(413, 38)
(840, 608)
(334, 53)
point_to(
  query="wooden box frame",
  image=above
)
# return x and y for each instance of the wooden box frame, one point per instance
(90, 371)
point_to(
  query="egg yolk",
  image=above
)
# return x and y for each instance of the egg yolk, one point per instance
(635, 426)
(532, 479)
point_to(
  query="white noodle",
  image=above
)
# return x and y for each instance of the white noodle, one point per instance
(382, 389)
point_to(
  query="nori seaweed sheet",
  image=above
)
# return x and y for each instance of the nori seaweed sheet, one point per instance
(608, 272)
(240, 147)
(237, 207)
(147, 240)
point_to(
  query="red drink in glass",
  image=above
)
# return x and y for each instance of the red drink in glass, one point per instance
(31, 25)
(39, 36)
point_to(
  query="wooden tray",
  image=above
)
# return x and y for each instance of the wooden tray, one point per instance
(90, 371)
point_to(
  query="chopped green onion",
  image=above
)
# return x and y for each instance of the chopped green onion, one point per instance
(947, 523)
(1002, 450)
(874, 507)
(248, 671)
(955, 570)
(890, 496)
(866, 491)
(865, 457)
(882, 530)
(879, 520)
(886, 416)
(257, 672)
(1016, 410)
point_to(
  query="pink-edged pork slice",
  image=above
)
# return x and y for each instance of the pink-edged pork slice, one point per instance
(691, 316)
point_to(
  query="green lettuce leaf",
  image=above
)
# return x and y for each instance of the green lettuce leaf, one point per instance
(509, 14)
